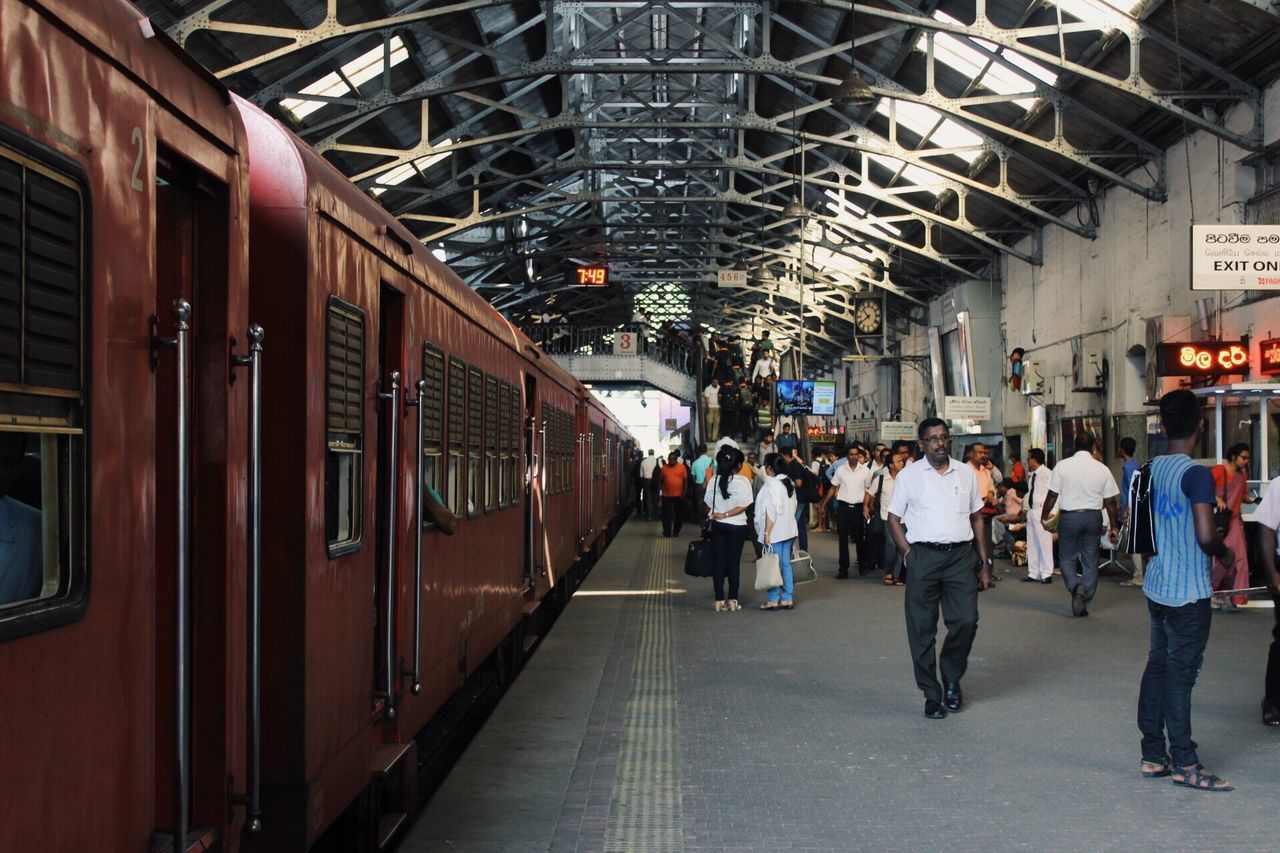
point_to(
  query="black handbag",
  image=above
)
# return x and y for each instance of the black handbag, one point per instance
(697, 560)
(1222, 517)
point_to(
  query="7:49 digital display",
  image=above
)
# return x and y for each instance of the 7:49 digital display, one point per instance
(597, 276)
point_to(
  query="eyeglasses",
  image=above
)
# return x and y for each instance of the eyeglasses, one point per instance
(936, 439)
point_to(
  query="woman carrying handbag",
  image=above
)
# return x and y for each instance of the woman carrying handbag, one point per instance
(727, 501)
(1229, 478)
(777, 529)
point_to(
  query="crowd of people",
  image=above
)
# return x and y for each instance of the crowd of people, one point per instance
(933, 523)
(737, 401)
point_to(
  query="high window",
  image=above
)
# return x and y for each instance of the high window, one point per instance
(345, 425)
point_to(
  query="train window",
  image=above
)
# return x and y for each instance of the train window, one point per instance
(345, 423)
(475, 457)
(43, 288)
(504, 443)
(456, 436)
(513, 446)
(432, 420)
(490, 471)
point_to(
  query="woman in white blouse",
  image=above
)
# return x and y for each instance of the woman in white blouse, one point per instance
(727, 501)
(777, 529)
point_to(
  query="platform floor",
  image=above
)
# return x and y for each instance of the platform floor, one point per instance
(647, 722)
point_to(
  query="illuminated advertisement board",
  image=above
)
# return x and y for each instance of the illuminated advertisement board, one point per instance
(1204, 358)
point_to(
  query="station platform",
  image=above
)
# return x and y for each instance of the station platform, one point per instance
(648, 722)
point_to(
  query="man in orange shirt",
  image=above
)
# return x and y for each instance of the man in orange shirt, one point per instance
(672, 480)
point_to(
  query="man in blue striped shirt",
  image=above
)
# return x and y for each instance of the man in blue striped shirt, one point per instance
(1178, 592)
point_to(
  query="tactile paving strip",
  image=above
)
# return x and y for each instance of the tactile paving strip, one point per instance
(645, 810)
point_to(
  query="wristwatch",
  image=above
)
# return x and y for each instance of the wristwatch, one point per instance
(990, 562)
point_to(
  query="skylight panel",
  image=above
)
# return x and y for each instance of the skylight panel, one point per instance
(405, 171)
(1095, 11)
(847, 213)
(924, 120)
(961, 55)
(360, 70)
(911, 172)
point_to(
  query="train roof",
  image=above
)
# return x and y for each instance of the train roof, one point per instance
(372, 223)
(118, 31)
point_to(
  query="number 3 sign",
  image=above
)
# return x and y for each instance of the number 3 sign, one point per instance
(624, 343)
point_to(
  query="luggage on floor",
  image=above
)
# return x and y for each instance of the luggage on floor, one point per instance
(697, 562)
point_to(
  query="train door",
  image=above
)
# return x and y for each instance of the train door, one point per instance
(535, 460)
(391, 359)
(191, 524)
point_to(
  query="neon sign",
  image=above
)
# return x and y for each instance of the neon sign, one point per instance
(597, 276)
(1269, 357)
(1205, 358)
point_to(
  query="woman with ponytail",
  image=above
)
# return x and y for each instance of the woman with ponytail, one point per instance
(777, 528)
(727, 502)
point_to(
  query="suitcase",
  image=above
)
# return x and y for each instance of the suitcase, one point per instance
(697, 562)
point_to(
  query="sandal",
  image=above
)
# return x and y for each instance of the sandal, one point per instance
(888, 579)
(1270, 716)
(1157, 769)
(1201, 780)
(733, 604)
(769, 605)
(787, 605)
(720, 607)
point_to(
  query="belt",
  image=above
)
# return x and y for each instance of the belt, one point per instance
(1065, 511)
(944, 546)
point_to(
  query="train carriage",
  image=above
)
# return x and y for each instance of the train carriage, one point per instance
(122, 282)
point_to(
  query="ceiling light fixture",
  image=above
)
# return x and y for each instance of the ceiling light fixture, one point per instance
(853, 91)
(795, 208)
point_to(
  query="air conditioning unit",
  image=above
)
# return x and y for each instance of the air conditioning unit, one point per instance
(1088, 372)
(1166, 328)
(1032, 377)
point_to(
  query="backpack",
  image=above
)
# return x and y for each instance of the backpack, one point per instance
(1141, 536)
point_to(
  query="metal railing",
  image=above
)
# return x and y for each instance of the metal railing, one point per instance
(660, 346)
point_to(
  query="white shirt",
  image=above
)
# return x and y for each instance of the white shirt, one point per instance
(1037, 490)
(852, 482)
(886, 493)
(647, 466)
(712, 395)
(765, 449)
(1268, 512)
(936, 507)
(764, 367)
(1082, 482)
(739, 495)
(774, 502)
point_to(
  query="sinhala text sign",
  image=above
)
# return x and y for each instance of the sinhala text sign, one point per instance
(967, 408)
(1235, 257)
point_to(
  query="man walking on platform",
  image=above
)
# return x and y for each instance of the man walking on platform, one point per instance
(1178, 589)
(1039, 540)
(1085, 487)
(673, 479)
(979, 460)
(1129, 447)
(946, 561)
(647, 492)
(849, 487)
(1268, 517)
(787, 441)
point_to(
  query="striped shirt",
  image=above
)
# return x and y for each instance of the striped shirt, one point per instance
(1179, 574)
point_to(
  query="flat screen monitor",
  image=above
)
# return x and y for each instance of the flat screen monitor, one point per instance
(794, 397)
(824, 398)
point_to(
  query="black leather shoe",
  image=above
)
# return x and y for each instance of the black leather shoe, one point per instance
(843, 574)
(1046, 580)
(952, 697)
(934, 710)
(1077, 601)
(1029, 579)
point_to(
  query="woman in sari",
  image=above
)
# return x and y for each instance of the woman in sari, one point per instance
(1229, 482)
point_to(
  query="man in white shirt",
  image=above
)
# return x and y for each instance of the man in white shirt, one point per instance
(849, 487)
(765, 366)
(1083, 487)
(711, 405)
(766, 446)
(937, 500)
(1039, 540)
(648, 494)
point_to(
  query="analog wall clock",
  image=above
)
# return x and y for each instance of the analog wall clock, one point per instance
(868, 316)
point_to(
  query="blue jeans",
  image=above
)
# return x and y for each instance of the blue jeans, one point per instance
(802, 523)
(785, 592)
(1178, 638)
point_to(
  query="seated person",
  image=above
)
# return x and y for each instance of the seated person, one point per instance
(21, 557)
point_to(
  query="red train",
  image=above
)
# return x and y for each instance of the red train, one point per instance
(222, 608)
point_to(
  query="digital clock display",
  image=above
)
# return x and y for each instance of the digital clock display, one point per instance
(597, 276)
